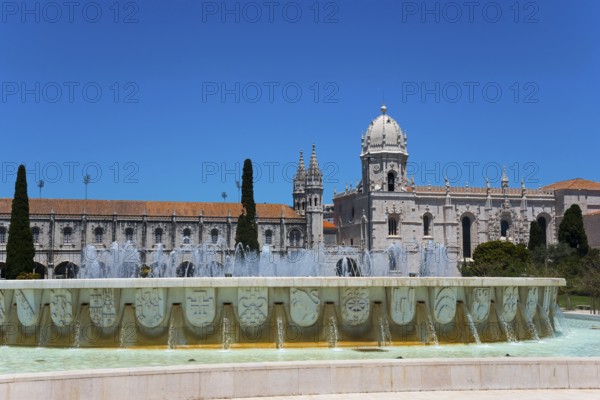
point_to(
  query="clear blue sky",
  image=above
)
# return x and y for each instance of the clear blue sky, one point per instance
(190, 89)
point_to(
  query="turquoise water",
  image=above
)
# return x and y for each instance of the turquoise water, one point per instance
(583, 340)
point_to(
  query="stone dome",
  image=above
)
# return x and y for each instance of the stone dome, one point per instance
(384, 135)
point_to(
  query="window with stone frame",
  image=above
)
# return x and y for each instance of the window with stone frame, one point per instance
(214, 236)
(504, 226)
(295, 237)
(35, 232)
(391, 181)
(426, 225)
(2, 234)
(67, 235)
(158, 235)
(129, 234)
(99, 235)
(466, 236)
(268, 237)
(392, 226)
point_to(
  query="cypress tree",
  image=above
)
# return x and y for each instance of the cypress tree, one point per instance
(247, 229)
(19, 248)
(535, 236)
(571, 230)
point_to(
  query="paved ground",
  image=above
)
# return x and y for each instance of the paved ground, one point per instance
(455, 395)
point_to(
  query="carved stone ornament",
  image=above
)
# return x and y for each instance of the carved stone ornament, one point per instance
(444, 304)
(480, 304)
(28, 306)
(253, 306)
(403, 305)
(150, 306)
(61, 307)
(355, 305)
(103, 307)
(200, 306)
(304, 306)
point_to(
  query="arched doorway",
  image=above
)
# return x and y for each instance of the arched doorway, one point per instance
(40, 269)
(347, 266)
(185, 269)
(66, 270)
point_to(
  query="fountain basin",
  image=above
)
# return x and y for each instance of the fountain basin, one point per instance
(274, 311)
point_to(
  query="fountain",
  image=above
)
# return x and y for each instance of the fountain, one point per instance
(339, 296)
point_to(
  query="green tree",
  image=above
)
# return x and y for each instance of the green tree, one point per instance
(536, 236)
(19, 248)
(498, 258)
(571, 230)
(247, 229)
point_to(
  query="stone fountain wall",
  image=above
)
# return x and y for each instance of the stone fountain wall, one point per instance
(274, 312)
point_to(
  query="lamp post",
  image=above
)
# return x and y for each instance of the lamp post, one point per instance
(40, 185)
(86, 181)
(368, 187)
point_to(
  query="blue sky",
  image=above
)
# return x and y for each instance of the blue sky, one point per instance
(164, 100)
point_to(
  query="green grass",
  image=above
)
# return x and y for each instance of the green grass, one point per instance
(575, 301)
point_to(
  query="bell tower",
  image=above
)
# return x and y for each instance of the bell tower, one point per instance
(384, 155)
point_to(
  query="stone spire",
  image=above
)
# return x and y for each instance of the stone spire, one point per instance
(314, 173)
(300, 178)
(504, 179)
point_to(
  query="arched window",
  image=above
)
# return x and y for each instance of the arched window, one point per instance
(67, 235)
(544, 226)
(2, 234)
(35, 232)
(392, 226)
(391, 181)
(129, 234)
(158, 235)
(99, 235)
(268, 236)
(214, 236)
(504, 225)
(295, 238)
(426, 225)
(187, 232)
(466, 236)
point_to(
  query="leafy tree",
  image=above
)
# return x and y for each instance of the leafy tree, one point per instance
(590, 280)
(536, 238)
(247, 229)
(498, 258)
(19, 248)
(571, 230)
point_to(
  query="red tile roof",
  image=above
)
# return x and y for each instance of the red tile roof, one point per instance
(149, 208)
(328, 225)
(577, 183)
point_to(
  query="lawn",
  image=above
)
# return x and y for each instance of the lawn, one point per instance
(575, 301)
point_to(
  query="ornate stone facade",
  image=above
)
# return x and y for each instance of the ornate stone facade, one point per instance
(62, 228)
(387, 207)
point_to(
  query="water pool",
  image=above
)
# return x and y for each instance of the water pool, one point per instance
(582, 339)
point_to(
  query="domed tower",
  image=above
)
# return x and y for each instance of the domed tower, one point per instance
(299, 187)
(384, 155)
(313, 190)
